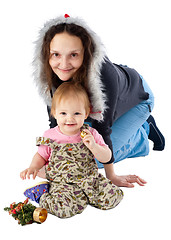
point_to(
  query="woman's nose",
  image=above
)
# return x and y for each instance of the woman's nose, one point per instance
(64, 63)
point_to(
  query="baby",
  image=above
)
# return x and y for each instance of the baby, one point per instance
(69, 151)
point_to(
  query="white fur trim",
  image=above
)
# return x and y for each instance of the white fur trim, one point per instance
(95, 86)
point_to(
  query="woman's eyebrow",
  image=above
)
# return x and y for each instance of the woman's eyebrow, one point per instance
(53, 51)
(74, 50)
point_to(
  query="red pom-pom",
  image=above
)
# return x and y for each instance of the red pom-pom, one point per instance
(66, 16)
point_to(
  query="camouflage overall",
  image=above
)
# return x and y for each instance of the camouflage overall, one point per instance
(75, 182)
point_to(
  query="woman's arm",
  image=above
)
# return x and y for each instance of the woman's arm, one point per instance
(109, 78)
(52, 120)
(122, 181)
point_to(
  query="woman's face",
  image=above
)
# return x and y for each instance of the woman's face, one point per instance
(66, 55)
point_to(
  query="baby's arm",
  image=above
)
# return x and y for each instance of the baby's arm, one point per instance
(102, 153)
(37, 163)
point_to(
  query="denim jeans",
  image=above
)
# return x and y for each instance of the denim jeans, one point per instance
(130, 132)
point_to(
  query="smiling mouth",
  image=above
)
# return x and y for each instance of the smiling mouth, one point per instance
(70, 124)
(65, 70)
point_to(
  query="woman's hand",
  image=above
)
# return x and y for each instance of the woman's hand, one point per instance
(27, 172)
(127, 181)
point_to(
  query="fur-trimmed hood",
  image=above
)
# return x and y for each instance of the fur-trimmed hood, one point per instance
(97, 95)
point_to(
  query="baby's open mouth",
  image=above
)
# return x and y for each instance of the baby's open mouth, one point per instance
(70, 124)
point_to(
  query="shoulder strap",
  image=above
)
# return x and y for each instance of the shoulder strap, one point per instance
(44, 141)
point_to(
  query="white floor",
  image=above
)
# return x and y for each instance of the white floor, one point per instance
(135, 33)
(144, 212)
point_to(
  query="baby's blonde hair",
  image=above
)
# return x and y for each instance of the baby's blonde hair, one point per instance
(70, 89)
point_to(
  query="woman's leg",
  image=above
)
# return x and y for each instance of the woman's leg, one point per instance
(155, 135)
(130, 132)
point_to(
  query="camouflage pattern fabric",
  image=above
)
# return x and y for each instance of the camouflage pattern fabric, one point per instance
(75, 182)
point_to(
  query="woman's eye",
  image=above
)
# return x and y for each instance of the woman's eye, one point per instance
(63, 113)
(74, 54)
(55, 54)
(77, 113)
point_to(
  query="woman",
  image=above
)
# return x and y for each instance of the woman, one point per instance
(68, 50)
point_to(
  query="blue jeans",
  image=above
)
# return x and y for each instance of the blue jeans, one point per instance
(130, 132)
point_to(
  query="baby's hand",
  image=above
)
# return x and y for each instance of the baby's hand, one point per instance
(26, 173)
(88, 139)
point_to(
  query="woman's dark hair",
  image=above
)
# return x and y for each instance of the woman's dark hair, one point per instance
(81, 75)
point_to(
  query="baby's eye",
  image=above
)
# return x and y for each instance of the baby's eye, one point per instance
(77, 113)
(63, 113)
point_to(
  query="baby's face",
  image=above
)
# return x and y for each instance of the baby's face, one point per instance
(70, 115)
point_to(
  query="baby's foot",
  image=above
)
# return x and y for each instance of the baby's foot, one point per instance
(35, 192)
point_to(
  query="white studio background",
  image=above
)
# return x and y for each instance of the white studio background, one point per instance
(135, 33)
